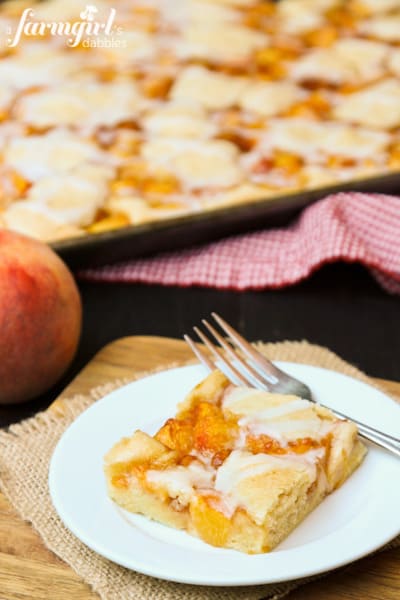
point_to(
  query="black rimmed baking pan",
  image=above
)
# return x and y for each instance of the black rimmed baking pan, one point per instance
(195, 228)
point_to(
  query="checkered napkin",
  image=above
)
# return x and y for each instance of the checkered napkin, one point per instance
(351, 227)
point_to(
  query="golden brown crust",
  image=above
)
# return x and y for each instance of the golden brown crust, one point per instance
(237, 467)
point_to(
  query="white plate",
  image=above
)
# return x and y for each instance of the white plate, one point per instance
(353, 521)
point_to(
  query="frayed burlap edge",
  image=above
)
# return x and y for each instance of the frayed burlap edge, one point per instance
(25, 452)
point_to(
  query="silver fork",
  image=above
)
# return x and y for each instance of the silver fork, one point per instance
(257, 371)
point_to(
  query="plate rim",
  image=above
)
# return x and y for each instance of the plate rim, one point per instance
(137, 565)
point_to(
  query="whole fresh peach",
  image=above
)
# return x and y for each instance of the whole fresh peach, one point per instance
(40, 317)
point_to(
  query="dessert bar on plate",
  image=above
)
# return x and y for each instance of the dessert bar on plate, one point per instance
(237, 467)
(187, 106)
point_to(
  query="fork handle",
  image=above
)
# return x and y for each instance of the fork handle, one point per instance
(373, 435)
(387, 443)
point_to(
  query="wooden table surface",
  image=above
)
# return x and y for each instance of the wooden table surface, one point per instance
(28, 571)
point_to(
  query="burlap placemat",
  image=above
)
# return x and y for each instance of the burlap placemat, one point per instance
(25, 452)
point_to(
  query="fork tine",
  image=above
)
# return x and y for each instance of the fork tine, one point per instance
(203, 358)
(246, 347)
(248, 369)
(281, 382)
(285, 383)
(217, 352)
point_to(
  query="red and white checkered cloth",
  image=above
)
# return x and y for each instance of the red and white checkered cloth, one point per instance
(351, 227)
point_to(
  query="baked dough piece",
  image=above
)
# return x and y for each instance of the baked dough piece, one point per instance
(301, 16)
(314, 140)
(135, 47)
(31, 219)
(58, 10)
(35, 65)
(394, 62)
(6, 96)
(198, 11)
(237, 467)
(35, 156)
(183, 119)
(379, 6)
(198, 164)
(220, 42)
(377, 106)
(137, 210)
(61, 204)
(213, 90)
(85, 104)
(246, 192)
(270, 98)
(385, 27)
(233, 2)
(317, 176)
(347, 61)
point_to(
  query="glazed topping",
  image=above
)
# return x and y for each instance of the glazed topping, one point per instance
(211, 89)
(377, 106)
(246, 435)
(347, 60)
(316, 140)
(86, 105)
(34, 156)
(246, 401)
(243, 474)
(227, 42)
(180, 482)
(286, 430)
(280, 410)
(244, 465)
(283, 419)
(241, 400)
(197, 164)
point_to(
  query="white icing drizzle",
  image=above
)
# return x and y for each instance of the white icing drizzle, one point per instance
(236, 395)
(197, 163)
(314, 140)
(241, 465)
(287, 430)
(179, 482)
(282, 417)
(280, 410)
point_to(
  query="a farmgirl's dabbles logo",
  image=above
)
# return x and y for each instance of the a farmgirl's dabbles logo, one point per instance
(77, 32)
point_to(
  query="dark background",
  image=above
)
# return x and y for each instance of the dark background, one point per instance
(340, 306)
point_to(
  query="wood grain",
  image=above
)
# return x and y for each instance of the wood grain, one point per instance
(29, 571)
